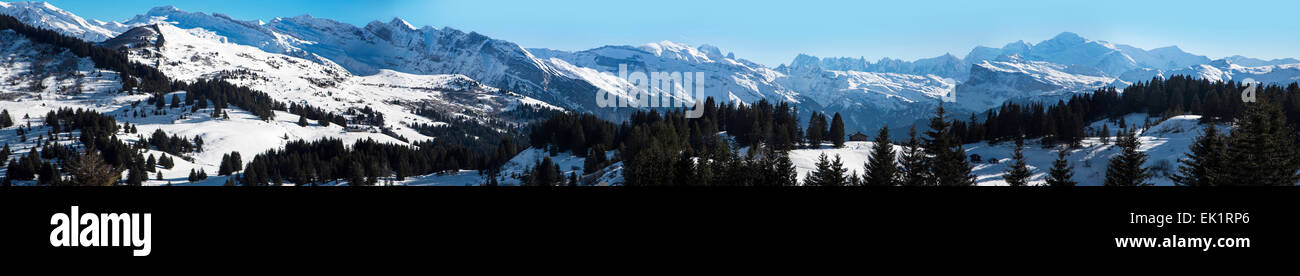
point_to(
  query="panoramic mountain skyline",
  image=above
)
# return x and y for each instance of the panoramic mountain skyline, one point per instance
(773, 33)
(1047, 70)
(314, 79)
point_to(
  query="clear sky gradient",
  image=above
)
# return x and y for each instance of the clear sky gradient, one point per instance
(773, 32)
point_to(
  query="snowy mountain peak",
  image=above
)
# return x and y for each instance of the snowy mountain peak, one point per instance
(805, 62)
(679, 51)
(1171, 48)
(47, 16)
(1067, 38)
(1018, 45)
(164, 10)
(401, 23)
(665, 46)
(711, 51)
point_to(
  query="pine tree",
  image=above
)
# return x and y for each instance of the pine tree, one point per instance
(151, 163)
(816, 129)
(947, 159)
(356, 174)
(828, 174)
(1061, 173)
(135, 176)
(1018, 174)
(546, 173)
(176, 101)
(912, 165)
(837, 131)
(785, 173)
(880, 169)
(1205, 162)
(854, 180)
(224, 169)
(6, 120)
(1126, 168)
(685, 171)
(166, 162)
(236, 163)
(48, 175)
(302, 121)
(1105, 134)
(1262, 150)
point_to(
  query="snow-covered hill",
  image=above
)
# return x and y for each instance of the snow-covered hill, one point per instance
(39, 78)
(401, 47)
(190, 54)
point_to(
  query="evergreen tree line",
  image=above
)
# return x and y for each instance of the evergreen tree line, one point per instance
(223, 94)
(363, 163)
(1065, 122)
(173, 144)
(99, 161)
(1261, 150)
(668, 149)
(483, 135)
(759, 126)
(322, 117)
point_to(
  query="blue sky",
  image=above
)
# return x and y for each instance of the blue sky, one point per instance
(773, 32)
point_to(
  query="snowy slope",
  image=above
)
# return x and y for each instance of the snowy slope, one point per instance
(47, 16)
(397, 46)
(66, 81)
(190, 54)
(854, 156)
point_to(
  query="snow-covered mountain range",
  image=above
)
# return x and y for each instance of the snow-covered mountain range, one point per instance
(870, 94)
(394, 68)
(44, 15)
